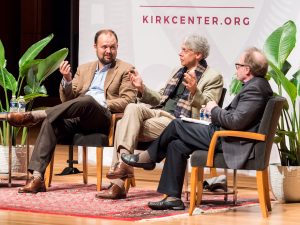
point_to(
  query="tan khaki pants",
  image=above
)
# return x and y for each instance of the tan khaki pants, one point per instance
(139, 123)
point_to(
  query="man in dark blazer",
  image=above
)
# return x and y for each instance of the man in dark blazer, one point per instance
(97, 89)
(180, 138)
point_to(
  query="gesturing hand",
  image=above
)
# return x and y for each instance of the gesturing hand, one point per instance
(136, 80)
(65, 70)
(190, 81)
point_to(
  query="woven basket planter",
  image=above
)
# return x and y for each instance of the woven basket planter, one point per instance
(18, 159)
(285, 182)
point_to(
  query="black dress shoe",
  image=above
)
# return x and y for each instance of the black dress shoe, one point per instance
(132, 160)
(164, 205)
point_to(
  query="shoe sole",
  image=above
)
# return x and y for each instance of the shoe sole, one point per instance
(32, 192)
(119, 176)
(107, 197)
(168, 208)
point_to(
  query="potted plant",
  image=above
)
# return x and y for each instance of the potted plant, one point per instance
(32, 73)
(277, 48)
(285, 176)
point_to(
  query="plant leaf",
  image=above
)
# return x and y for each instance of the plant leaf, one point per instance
(34, 50)
(27, 66)
(296, 81)
(51, 63)
(235, 86)
(280, 43)
(288, 86)
(8, 81)
(2, 55)
(28, 90)
(30, 97)
(31, 76)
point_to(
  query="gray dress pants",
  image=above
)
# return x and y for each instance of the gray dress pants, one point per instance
(82, 114)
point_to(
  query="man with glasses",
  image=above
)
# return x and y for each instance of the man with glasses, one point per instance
(190, 86)
(180, 138)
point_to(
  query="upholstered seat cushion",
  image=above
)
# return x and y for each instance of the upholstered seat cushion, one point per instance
(199, 157)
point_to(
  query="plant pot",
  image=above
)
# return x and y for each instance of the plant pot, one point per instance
(18, 159)
(285, 182)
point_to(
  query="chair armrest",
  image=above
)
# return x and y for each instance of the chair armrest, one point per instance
(229, 133)
(114, 119)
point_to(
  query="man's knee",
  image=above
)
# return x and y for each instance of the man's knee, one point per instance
(86, 100)
(131, 108)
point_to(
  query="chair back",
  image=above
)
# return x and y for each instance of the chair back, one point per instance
(221, 101)
(268, 126)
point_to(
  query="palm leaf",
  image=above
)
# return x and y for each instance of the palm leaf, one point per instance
(2, 55)
(296, 81)
(280, 43)
(235, 86)
(33, 51)
(288, 86)
(8, 81)
(51, 63)
(30, 97)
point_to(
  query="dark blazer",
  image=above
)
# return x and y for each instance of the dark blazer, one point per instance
(118, 89)
(244, 113)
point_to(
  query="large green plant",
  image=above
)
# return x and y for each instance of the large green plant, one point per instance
(277, 48)
(32, 73)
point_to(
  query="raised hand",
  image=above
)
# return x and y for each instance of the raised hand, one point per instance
(190, 81)
(136, 80)
(65, 70)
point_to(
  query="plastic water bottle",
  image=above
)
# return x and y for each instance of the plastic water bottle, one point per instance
(13, 104)
(21, 104)
(202, 112)
(208, 117)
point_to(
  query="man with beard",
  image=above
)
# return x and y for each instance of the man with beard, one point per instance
(97, 89)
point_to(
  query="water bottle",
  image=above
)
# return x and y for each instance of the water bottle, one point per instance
(208, 117)
(202, 112)
(21, 104)
(13, 104)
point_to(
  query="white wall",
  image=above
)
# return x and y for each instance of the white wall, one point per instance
(230, 26)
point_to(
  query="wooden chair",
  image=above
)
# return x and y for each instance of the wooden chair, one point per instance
(97, 140)
(263, 140)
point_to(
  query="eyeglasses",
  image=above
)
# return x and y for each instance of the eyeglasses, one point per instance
(186, 50)
(238, 65)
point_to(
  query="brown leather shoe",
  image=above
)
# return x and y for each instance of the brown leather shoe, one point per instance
(34, 186)
(121, 171)
(22, 119)
(114, 192)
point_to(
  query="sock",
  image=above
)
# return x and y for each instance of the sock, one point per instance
(118, 182)
(144, 157)
(123, 150)
(37, 174)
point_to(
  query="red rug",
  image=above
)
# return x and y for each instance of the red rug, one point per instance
(79, 200)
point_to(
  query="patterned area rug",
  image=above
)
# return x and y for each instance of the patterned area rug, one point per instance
(79, 200)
